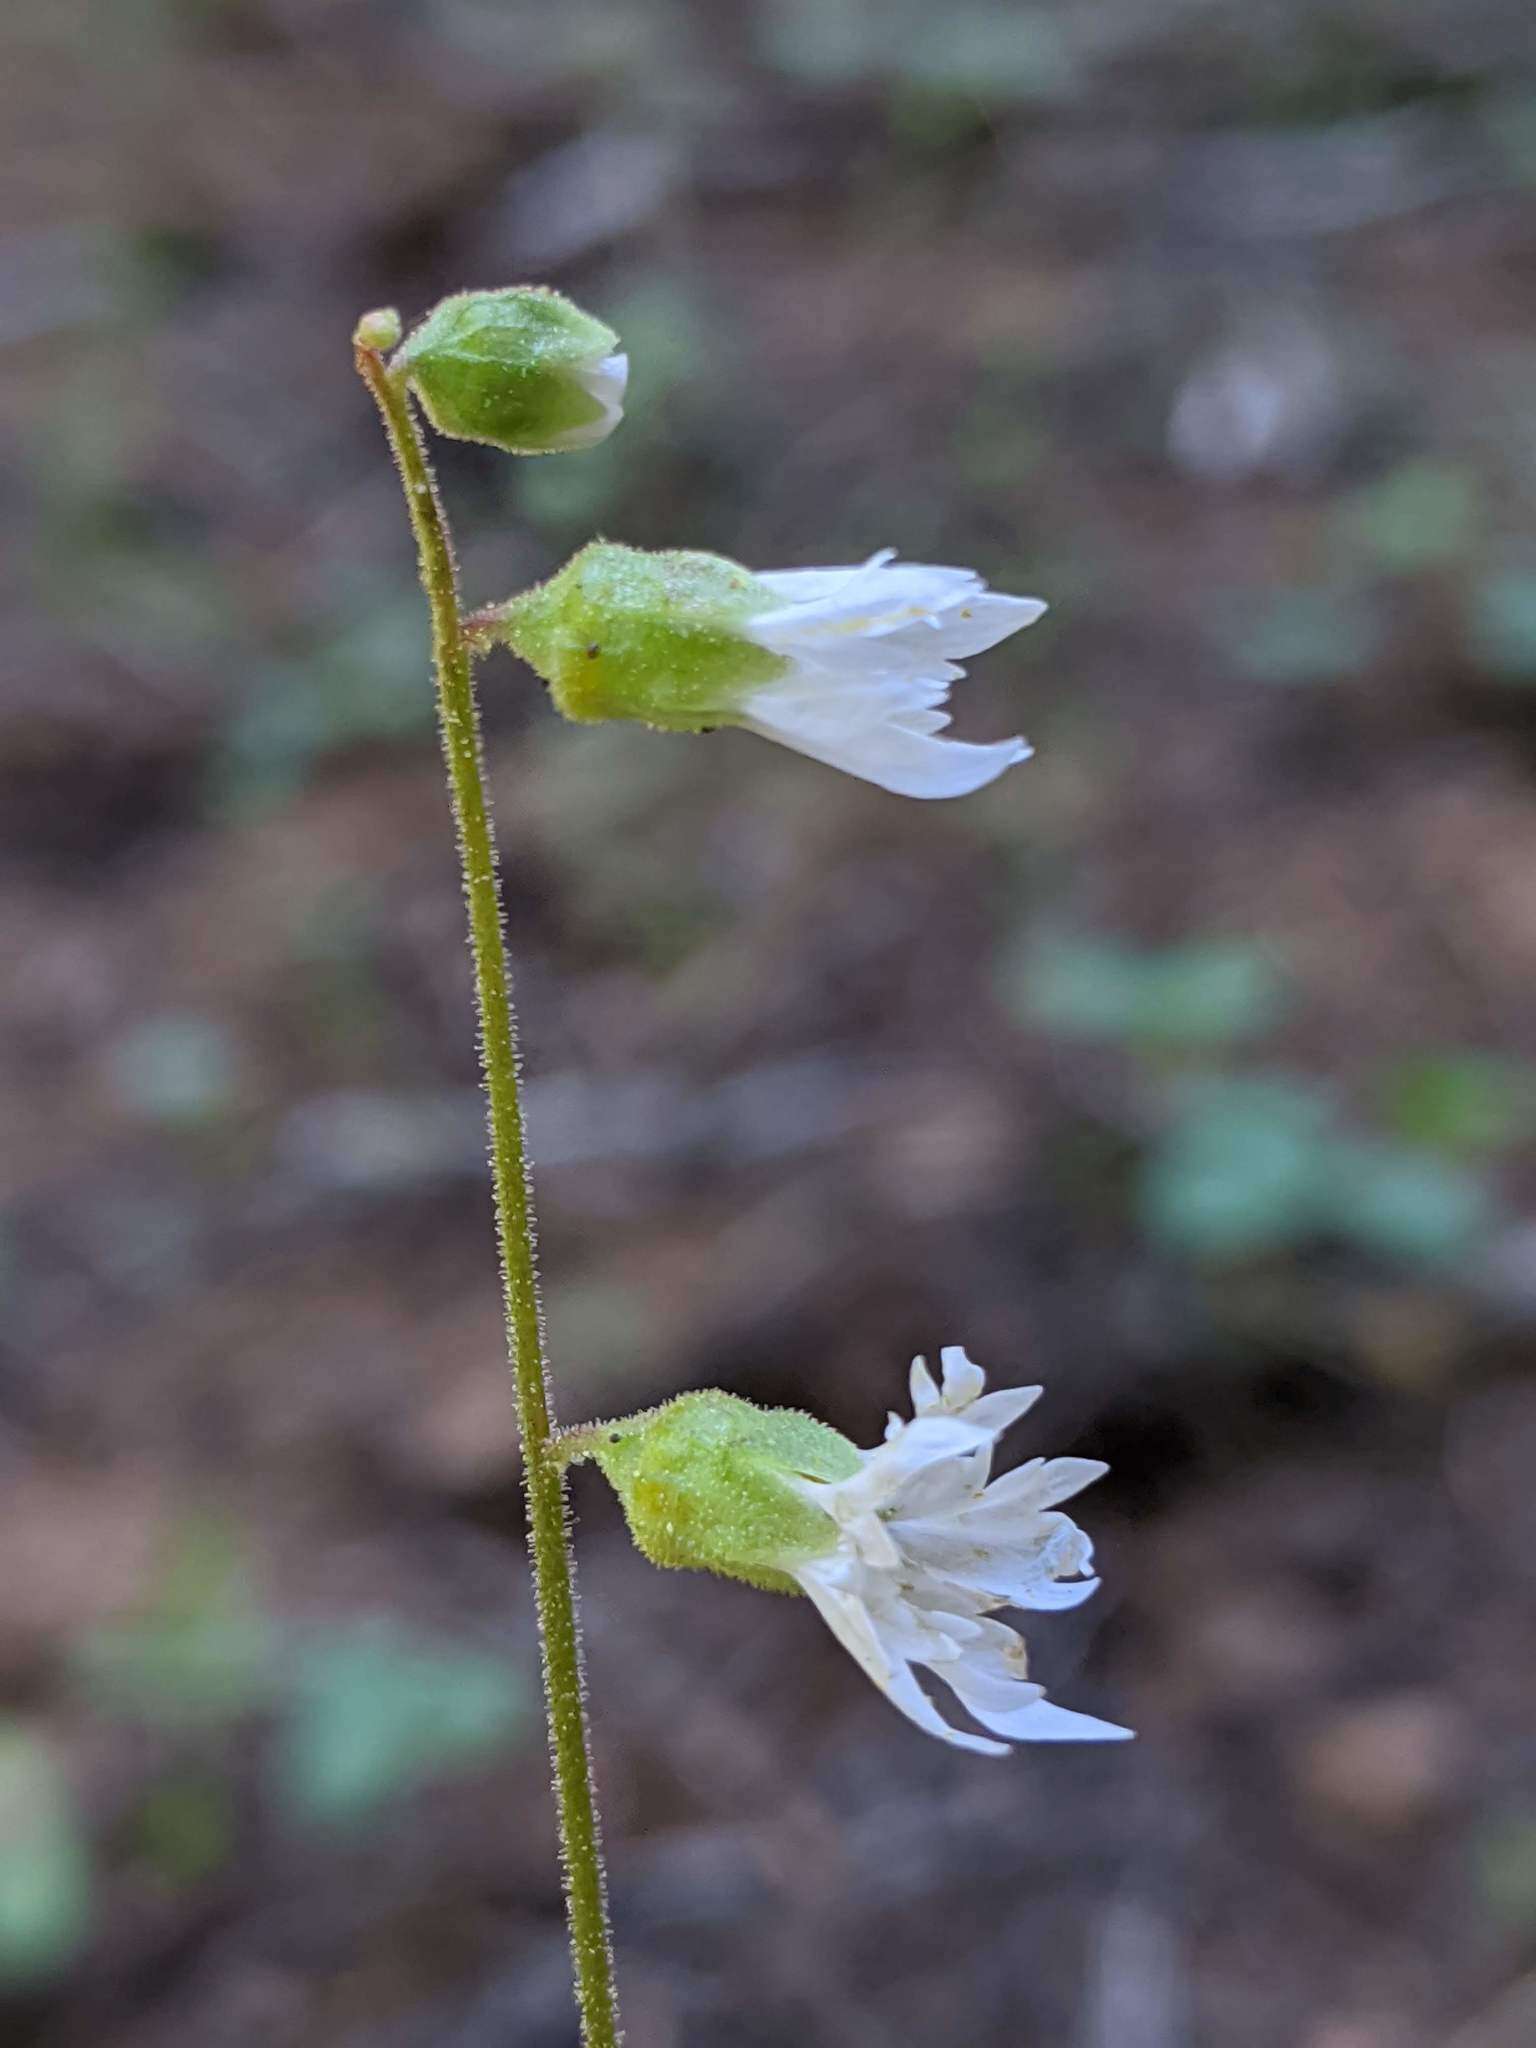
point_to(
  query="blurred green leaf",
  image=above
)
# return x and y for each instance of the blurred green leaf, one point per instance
(1306, 636)
(163, 608)
(1502, 624)
(159, 266)
(1405, 1205)
(1013, 54)
(1506, 1864)
(1421, 515)
(1206, 992)
(998, 440)
(1237, 1171)
(201, 1655)
(185, 1829)
(1083, 988)
(1257, 1164)
(1512, 125)
(45, 1883)
(1218, 990)
(828, 42)
(177, 1067)
(934, 121)
(370, 681)
(1470, 1102)
(377, 1712)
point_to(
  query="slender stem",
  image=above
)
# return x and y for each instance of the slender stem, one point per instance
(553, 1566)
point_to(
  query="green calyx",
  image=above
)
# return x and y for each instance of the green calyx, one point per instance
(507, 368)
(626, 633)
(704, 1482)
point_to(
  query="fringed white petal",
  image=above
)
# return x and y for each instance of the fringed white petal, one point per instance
(905, 761)
(923, 1389)
(853, 1623)
(928, 1549)
(1043, 1482)
(873, 650)
(942, 611)
(963, 1380)
(1044, 1721)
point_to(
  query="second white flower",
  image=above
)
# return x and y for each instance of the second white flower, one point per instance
(852, 666)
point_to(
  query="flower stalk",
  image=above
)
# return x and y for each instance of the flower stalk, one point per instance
(553, 1565)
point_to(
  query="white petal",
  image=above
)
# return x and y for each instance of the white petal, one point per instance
(942, 1491)
(872, 1542)
(1067, 1476)
(808, 586)
(984, 1523)
(1043, 1482)
(608, 379)
(867, 678)
(993, 1682)
(1056, 1596)
(849, 1619)
(1044, 1721)
(874, 650)
(937, 612)
(1011, 1577)
(904, 762)
(997, 1412)
(908, 1696)
(852, 1622)
(920, 1443)
(982, 621)
(1062, 1548)
(920, 1382)
(605, 381)
(963, 1381)
(914, 1632)
(883, 596)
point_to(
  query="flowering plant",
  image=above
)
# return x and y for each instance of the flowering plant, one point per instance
(909, 1550)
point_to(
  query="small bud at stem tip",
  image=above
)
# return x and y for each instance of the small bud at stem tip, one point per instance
(379, 330)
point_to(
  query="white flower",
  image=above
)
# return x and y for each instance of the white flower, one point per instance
(605, 380)
(874, 650)
(851, 666)
(928, 1551)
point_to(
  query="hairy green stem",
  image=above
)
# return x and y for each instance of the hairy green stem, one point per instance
(553, 1567)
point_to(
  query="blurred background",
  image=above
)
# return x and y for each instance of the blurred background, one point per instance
(1191, 1069)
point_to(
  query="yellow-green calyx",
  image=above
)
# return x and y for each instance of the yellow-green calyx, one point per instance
(705, 1482)
(625, 633)
(512, 368)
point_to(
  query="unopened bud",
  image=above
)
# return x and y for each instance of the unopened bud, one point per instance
(378, 330)
(521, 369)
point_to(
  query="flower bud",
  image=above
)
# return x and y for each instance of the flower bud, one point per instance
(624, 633)
(379, 330)
(522, 369)
(709, 1482)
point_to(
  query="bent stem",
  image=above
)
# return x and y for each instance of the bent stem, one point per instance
(553, 1567)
